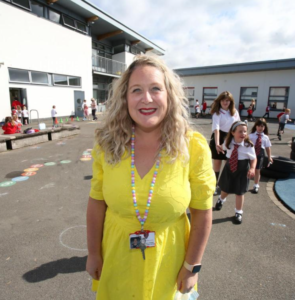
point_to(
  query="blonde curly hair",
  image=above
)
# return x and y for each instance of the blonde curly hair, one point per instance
(114, 137)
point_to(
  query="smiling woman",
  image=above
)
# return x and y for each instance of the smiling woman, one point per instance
(148, 168)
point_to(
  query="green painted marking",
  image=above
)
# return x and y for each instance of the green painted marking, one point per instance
(50, 164)
(7, 183)
(65, 161)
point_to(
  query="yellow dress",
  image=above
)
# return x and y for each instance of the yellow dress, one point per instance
(125, 275)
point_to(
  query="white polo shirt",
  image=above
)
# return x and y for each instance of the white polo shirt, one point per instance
(265, 142)
(224, 120)
(243, 151)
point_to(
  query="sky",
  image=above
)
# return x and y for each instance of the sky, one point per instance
(198, 33)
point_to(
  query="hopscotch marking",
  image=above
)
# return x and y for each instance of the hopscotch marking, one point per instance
(63, 244)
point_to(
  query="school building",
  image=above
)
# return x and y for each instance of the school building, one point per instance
(268, 82)
(60, 52)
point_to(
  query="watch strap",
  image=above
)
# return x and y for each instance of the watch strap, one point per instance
(192, 268)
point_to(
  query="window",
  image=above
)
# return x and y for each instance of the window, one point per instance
(26, 76)
(54, 16)
(66, 80)
(69, 21)
(37, 9)
(22, 3)
(19, 75)
(247, 95)
(209, 95)
(81, 27)
(74, 81)
(39, 77)
(278, 97)
(60, 79)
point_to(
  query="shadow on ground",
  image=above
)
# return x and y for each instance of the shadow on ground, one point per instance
(51, 269)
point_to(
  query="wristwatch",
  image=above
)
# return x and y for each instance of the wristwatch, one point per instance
(192, 268)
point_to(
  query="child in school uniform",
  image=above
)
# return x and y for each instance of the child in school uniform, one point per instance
(224, 115)
(18, 124)
(53, 115)
(25, 115)
(9, 126)
(240, 166)
(259, 137)
(284, 118)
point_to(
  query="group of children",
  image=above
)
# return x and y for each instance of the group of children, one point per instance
(13, 124)
(244, 154)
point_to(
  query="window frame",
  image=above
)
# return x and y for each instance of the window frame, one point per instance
(39, 83)
(56, 12)
(18, 81)
(50, 79)
(281, 101)
(19, 5)
(53, 80)
(80, 79)
(253, 97)
(76, 23)
(65, 24)
(43, 16)
(68, 82)
(203, 99)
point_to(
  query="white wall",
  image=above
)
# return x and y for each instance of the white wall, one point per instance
(233, 83)
(37, 44)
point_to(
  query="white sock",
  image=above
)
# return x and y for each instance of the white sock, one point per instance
(256, 185)
(239, 211)
(222, 200)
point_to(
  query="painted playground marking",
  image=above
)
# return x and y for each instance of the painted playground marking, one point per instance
(65, 161)
(31, 170)
(66, 230)
(50, 163)
(3, 194)
(86, 155)
(21, 178)
(47, 186)
(29, 173)
(37, 166)
(85, 159)
(7, 183)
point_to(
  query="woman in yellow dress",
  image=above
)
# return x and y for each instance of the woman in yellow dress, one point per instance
(148, 168)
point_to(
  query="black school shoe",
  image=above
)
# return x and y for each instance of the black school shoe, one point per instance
(218, 205)
(255, 190)
(238, 218)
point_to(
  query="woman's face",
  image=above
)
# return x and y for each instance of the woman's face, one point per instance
(147, 97)
(225, 103)
(240, 133)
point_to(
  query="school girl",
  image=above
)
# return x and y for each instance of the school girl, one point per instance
(259, 137)
(240, 166)
(224, 115)
(283, 119)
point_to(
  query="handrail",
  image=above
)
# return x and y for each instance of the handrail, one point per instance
(106, 65)
(31, 116)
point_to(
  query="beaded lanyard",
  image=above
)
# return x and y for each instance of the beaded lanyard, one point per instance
(140, 219)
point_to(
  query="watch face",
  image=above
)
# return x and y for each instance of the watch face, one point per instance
(196, 269)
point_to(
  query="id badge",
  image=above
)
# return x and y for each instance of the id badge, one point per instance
(136, 239)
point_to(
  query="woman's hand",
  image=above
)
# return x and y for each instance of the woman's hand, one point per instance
(251, 173)
(94, 266)
(219, 149)
(186, 280)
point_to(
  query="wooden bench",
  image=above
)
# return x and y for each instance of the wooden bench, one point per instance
(20, 140)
